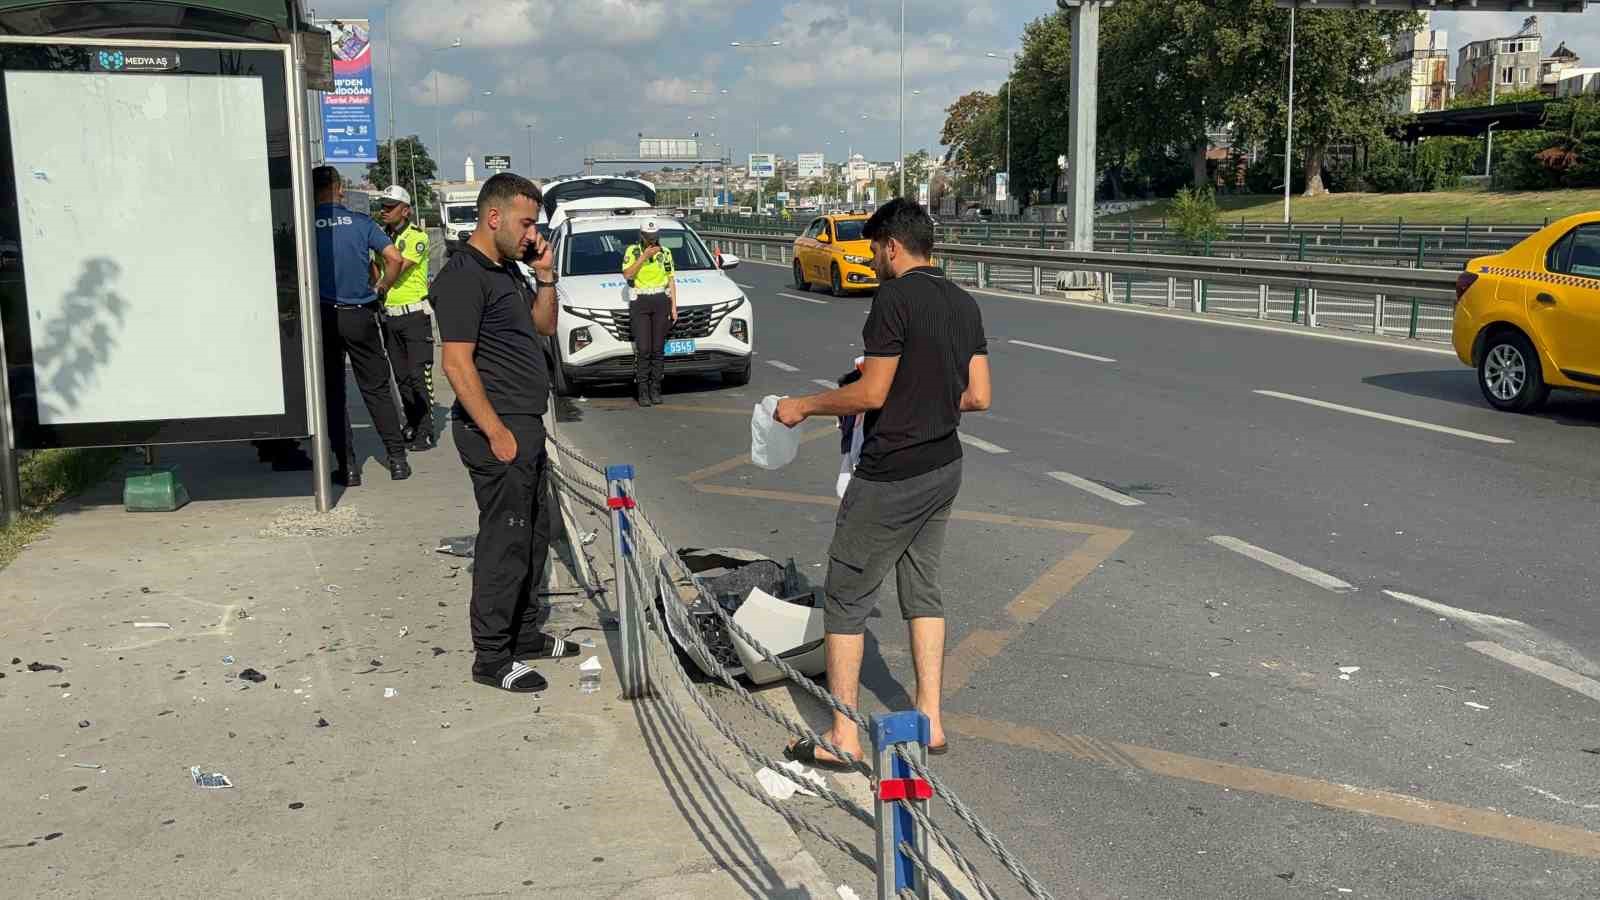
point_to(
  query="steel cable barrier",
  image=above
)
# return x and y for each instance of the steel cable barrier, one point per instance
(648, 593)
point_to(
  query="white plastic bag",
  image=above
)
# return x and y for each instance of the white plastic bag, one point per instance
(773, 444)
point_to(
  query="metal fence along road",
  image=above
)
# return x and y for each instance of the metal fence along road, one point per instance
(912, 852)
(1380, 300)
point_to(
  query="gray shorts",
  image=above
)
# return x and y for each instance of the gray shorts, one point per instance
(883, 524)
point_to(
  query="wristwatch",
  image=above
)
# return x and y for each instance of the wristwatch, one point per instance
(546, 284)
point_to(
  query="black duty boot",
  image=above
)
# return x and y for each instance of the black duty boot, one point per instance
(655, 391)
(399, 469)
(642, 391)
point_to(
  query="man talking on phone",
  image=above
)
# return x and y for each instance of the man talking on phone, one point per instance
(648, 267)
(491, 321)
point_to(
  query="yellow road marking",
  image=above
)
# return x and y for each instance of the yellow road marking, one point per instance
(1383, 804)
(743, 459)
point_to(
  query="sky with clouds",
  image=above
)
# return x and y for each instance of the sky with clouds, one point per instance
(592, 74)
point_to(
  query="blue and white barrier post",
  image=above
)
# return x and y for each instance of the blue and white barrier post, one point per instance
(631, 593)
(895, 782)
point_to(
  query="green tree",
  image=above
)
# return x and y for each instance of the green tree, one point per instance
(1575, 152)
(416, 170)
(971, 126)
(918, 164)
(1040, 107)
(1338, 96)
(1481, 98)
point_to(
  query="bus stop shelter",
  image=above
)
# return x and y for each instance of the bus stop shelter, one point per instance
(158, 284)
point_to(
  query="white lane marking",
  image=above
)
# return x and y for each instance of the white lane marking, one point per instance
(806, 299)
(1089, 356)
(779, 364)
(1550, 671)
(1385, 417)
(981, 444)
(1467, 616)
(1284, 564)
(1099, 490)
(830, 385)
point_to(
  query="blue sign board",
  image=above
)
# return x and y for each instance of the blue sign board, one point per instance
(349, 119)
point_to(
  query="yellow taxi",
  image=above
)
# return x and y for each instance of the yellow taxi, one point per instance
(1528, 319)
(831, 251)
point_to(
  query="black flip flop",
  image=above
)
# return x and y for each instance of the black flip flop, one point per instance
(516, 677)
(805, 751)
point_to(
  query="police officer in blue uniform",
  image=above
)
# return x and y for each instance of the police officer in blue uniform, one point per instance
(346, 241)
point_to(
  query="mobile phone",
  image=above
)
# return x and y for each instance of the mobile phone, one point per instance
(533, 253)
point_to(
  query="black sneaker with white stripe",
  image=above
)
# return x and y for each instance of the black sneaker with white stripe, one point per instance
(515, 676)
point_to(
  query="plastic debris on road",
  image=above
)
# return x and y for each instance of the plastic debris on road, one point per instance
(1215, 674)
(589, 675)
(152, 625)
(227, 660)
(389, 693)
(457, 546)
(253, 676)
(44, 667)
(773, 445)
(587, 537)
(211, 780)
(1474, 705)
(848, 893)
(1346, 671)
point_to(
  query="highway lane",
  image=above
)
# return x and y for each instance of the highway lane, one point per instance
(1165, 412)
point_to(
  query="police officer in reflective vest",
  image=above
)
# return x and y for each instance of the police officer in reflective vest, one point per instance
(408, 321)
(346, 240)
(648, 267)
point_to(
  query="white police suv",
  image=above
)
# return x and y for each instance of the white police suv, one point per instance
(593, 343)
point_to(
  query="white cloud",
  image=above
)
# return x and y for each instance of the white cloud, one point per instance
(781, 133)
(680, 92)
(467, 118)
(452, 89)
(526, 78)
(532, 23)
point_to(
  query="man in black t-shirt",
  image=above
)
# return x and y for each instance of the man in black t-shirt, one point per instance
(926, 363)
(491, 322)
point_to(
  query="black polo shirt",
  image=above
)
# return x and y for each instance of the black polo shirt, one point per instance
(478, 301)
(935, 328)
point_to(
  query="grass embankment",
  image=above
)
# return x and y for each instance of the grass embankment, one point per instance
(1438, 208)
(48, 477)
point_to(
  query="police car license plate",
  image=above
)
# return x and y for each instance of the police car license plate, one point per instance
(680, 348)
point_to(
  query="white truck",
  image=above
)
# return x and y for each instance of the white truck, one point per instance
(458, 207)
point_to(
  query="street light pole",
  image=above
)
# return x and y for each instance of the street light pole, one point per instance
(902, 98)
(438, 139)
(758, 45)
(530, 149)
(388, 52)
(1010, 72)
(1288, 139)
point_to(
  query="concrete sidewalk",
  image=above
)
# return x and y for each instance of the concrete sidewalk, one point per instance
(443, 789)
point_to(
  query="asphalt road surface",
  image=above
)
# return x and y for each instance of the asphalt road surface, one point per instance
(1233, 613)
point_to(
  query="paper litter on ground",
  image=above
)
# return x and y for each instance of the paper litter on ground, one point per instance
(792, 780)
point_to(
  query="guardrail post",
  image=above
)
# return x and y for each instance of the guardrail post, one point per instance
(763, 252)
(1127, 290)
(1294, 310)
(983, 274)
(1261, 302)
(895, 782)
(1377, 314)
(1311, 307)
(1172, 292)
(1412, 331)
(1195, 289)
(631, 593)
(1038, 280)
(1111, 287)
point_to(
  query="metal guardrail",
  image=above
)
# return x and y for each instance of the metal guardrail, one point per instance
(912, 851)
(1383, 300)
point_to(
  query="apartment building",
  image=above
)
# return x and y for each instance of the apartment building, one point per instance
(1421, 61)
(1502, 64)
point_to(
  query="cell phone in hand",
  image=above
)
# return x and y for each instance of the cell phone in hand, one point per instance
(535, 252)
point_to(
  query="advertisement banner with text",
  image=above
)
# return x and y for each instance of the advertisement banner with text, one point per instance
(811, 165)
(763, 165)
(349, 119)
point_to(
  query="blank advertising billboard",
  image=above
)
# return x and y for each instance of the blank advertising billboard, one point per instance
(155, 294)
